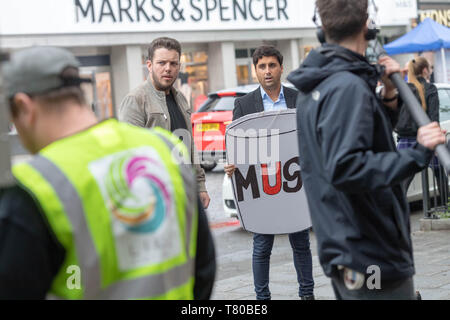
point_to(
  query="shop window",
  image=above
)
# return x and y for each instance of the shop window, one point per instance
(243, 75)
(244, 66)
(246, 74)
(307, 50)
(104, 100)
(144, 66)
(241, 53)
(193, 78)
(98, 93)
(244, 53)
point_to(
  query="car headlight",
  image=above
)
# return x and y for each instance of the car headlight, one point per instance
(230, 204)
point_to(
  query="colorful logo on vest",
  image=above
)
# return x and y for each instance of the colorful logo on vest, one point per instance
(139, 199)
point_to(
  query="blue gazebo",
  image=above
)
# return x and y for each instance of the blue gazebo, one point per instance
(427, 36)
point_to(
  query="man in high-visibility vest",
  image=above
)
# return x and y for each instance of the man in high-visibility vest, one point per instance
(102, 210)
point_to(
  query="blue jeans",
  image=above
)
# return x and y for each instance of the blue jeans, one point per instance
(262, 248)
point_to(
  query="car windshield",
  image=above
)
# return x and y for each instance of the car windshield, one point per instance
(444, 101)
(218, 104)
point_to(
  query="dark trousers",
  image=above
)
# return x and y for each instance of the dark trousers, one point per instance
(262, 249)
(395, 290)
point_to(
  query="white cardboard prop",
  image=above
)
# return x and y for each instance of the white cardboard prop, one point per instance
(266, 183)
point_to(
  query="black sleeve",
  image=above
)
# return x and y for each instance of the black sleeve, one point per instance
(432, 103)
(205, 260)
(401, 116)
(237, 111)
(30, 255)
(404, 123)
(346, 128)
(394, 115)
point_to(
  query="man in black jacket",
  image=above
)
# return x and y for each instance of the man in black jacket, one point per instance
(351, 170)
(272, 95)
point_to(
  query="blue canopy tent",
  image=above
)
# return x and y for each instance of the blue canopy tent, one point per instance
(427, 36)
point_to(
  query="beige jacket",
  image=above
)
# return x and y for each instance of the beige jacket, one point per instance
(146, 107)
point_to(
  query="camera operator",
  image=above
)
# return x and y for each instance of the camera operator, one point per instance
(352, 172)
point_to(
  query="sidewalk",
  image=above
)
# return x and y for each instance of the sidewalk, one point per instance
(432, 279)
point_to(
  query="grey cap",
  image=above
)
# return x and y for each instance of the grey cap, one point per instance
(37, 70)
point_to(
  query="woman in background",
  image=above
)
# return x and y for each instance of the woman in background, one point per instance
(419, 72)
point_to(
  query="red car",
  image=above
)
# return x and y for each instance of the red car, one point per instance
(210, 122)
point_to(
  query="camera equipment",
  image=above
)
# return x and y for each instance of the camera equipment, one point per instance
(319, 33)
(372, 29)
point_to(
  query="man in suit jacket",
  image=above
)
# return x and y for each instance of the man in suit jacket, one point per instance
(270, 96)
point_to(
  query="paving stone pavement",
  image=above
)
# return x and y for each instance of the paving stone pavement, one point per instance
(432, 279)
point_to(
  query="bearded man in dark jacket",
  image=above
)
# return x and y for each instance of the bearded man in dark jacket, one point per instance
(351, 170)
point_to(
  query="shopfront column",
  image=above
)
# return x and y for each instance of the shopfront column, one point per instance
(126, 62)
(290, 50)
(221, 65)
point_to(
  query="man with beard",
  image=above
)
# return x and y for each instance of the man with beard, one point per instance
(156, 103)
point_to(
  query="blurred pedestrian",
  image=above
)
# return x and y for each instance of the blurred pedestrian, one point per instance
(156, 103)
(102, 210)
(351, 170)
(419, 72)
(270, 96)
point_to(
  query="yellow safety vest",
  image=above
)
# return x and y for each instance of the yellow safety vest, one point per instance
(122, 201)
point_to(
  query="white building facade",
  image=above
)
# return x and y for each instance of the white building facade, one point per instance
(218, 37)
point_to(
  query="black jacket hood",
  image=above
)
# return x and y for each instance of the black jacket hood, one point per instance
(352, 173)
(329, 59)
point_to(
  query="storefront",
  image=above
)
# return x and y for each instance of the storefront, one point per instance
(218, 37)
(439, 11)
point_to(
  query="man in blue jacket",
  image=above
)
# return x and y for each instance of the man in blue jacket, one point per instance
(352, 172)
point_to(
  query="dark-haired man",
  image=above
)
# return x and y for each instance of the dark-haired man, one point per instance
(352, 172)
(271, 96)
(156, 103)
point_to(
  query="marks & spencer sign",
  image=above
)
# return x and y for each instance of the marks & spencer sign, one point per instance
(111, 16)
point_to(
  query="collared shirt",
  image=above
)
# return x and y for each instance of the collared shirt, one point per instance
(269, 105)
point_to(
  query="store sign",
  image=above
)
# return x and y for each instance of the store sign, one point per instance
(93, 16)
(440, 16)
(28, 17)
(193, 10)
(395, 12)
